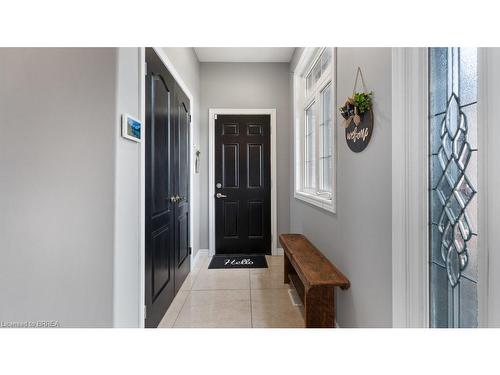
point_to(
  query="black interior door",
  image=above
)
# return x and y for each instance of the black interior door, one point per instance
(167, 179)
(181, 171)
(243, 184)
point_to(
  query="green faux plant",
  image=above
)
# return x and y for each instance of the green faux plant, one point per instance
(363, 101)
(355, 107)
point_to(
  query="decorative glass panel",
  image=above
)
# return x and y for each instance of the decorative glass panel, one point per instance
(452, 186)
(326, 57)
(468, 74)
(325, 155)
(313, 76)
(310, 149)
(439, 297)
(317, 71)
(309, 82)
(320, 67)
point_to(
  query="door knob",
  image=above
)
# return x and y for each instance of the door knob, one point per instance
(219, 195)
(176, 199)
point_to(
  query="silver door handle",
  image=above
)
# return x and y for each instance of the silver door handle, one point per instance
(219, 195)
(176, 199)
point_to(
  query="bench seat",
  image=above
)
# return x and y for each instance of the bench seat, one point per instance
(314, 277)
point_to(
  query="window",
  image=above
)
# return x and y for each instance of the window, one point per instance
(310, 152)
(325, 157)
(314, 136)
(452, 187)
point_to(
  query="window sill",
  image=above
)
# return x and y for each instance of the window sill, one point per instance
(318, 201)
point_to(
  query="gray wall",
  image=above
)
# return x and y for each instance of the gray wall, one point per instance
(57, 153)
(127, 272)
(358, 237)
(248, 85)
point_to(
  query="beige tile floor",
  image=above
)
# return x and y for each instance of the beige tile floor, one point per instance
(239, 298)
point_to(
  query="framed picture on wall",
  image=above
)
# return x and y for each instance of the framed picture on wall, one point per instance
(131, 128)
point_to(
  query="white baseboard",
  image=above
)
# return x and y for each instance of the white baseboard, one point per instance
(279, 251)
(202, 252)
(199, 254)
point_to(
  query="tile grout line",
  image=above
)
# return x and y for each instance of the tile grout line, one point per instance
(198, 273)
(251, 304)
(196, 278)
(179, 312)
(207, 290)
(188, 294)
(216, 289)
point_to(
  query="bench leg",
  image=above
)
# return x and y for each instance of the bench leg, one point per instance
(287, 269)
(320, 308)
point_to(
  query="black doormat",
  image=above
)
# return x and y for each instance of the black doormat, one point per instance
(238, 261)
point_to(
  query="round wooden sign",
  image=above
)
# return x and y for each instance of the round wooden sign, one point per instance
(358, 137)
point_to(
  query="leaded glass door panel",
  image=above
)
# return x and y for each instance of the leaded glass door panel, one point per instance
(452, 187)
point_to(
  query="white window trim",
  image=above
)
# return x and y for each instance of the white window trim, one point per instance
(301, 102)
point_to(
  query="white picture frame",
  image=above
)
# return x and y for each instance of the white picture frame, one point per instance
(131, 128)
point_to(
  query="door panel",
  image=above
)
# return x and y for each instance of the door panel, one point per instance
(230, 165)
(161, 261)
(243, 170)
(254, 167)
(256, 219)
(160, 146)
(167, 177)
(183, 251)
(231, 214)
(182, 239)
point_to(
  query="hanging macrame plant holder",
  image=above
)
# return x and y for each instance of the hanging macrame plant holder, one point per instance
(358, 124)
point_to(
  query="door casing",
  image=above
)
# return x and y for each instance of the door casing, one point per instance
(212, 112)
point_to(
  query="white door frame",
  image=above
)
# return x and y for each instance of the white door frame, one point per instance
(488, 181)
(142, 258)
(212, 112)
(410, 264)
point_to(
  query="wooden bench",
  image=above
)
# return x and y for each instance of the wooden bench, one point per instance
(314, 277)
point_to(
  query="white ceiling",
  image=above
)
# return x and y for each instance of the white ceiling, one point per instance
(244, 54)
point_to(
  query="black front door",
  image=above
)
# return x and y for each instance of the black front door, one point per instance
(166, 189)
(242, 184)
